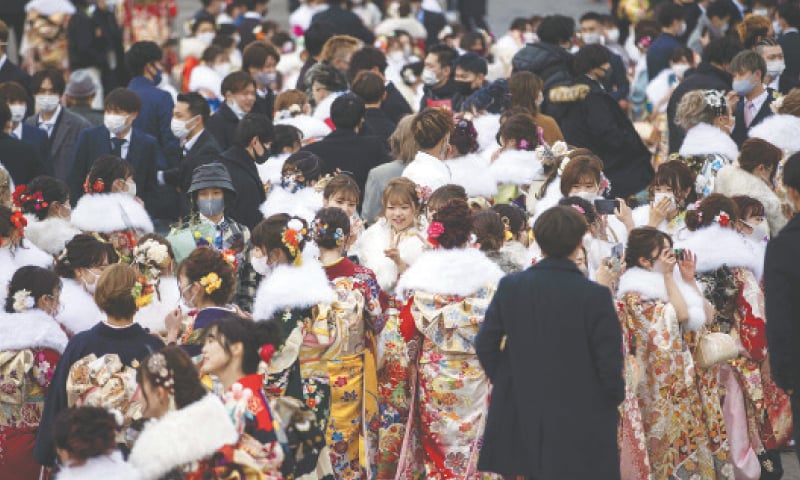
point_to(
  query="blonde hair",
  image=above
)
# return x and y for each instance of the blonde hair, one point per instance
(752, 29)
(790, 104)
(693, 110)
(286, 99)
(401, 189)
(338, 46)
(113, 294)
(402, 143)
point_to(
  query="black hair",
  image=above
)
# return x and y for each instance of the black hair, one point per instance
(316, 35)
(203, 19)
(197, 104)
(124, 100)
(721, 50)
(559, 231)
(326, 224)
(12, 92)
(231, 328)
(445, 55)
(255, 55)
(681, 53)
(84, 251)
(140, 54)
(556, 29)
(55, 77)
(5, 114)
(85, 432)
(51, 189)
(472, 62)
(791, 172)
(667, 13)
(285, 136)
(107, 169)
(39, 281)
(309, 164)
(519, 23)
(511, 215)
(719, 9)
(347, 111)
(591, 17)
(268, 234)
(367, 58)
(186, 385)
(211, 53)
(590, 57)
(641, 244)
(790, 11)
(253, 125)
(586, 207)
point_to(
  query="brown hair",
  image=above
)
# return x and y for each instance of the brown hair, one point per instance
(525, 88)
(401, 189)
(442, 195)
(84, 251)
(578, 168)
(521, 127)
(113, 295)
(748, 206)
(186, 385)
(369, 86)
(338, 46)
(752, 29)
(755, 152)
(205, 260)
(489, 229)
(456, 217)
(402, 143)
(641, 244)
(677, 176)
(268, 234)
(551, 169)
(791, 103)
(693, 110)
(286, 99)
(430, 126)
(559, 231)
(709, 208)
(85, 432)
(344, 184)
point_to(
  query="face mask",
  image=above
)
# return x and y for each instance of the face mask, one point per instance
(397, 57)
(158, 77)
(761, 11)
(47, 103)
(658, 197)
(206, 37)
(179, 128)
(189, 304)
(743, 87)
(464, 88)
(17, 112)
(115, 123)
(265, 79)
(131, 188)
(776, 27)
(759, 233)
(591, 38)
(429, 77)
(776, 68)
(613, 35)
(260, 265)
(91, 287)
(680, 69)
(237, 110)
(223, 69)
(529, 37)
(588, 196)
(211, 207)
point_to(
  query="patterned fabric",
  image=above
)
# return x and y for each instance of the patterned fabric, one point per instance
(44, 43)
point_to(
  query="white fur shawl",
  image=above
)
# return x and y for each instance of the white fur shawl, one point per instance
(704, 139)
(552, 195)
(105, 466)
(22, 256)
(732, 180)
(650, 286)
(30, 329)
(182, 436)
(487, 127)
(110, 212)
(519, 253)
(454, 272)
(79, 312)
(50, 234)
(471, 172)
(304, 203)
(716, 246)
(518, 167)
(427, 170)
(783, 131)
(370, 249)
(293, 287)
(312, 128)
(152, 316)
(270, 171)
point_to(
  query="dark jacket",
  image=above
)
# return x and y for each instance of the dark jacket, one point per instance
(659, 52)
(12, 73)
(344, 22)
(790, 43)
(434, 22)
(740, 130)
(65, 133)
(94, 117)
(84, 48)
(445, 92)
(557, 381)
(223, 125)
(265, 105)
(205, 150)
(37, 138)
(155, 117)
(781, 284)
(550, 62)
(395, 105)
(377, 124)
(596, 121)
(301, 78)
(345, 150)
(245, 29)
(249, 187)
(20, 159)
(704, 77)
(617, 84)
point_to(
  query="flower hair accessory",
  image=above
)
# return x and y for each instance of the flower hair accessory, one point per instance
(645, 42)
(230, 258)
(523, 144)
(151, 255)
(435, 230)
(507, 229)
(321, 229)
(578, 208)
(292, 236)
(723, 219)
(22, 195)
(266, 352)
(548, 154)
(19, 221)
(97, 187)
(142, 292)
(716, 100)
(23, 301)
(211, 283)
(160, 372)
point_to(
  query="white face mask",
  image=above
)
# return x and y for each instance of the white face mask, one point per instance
(612, 35)
(682, 30)
(680, 69)
(91, 287)
(397, 57)
(429, 77)
(115, 123)
(529, 37)
(588, 196)
(17, 112)
(179, 128)
(260, 265)
(658, 197)
(206, 37)
(237, 110)
(761, 11)
(759, 233)
(47, 103)
(131, 188)
(592, 38)
(776, 68)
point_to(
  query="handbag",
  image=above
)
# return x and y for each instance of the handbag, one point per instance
(714, 348)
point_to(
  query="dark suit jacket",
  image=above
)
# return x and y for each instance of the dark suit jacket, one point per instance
(617, 84)
(345, 150)
(395, 105)
(12, 73)
(658, 53)
(94, 117)
(85, 49)
(249, 187)
(20, 159)
(345, 22)
(739, 133)
(155, 117)
(37, 138)
(781, 284)
(223, 125)
(245, 29)
(558, 380)
(143, 155)
(265, 105)
(205, 150)
(790, 43)
(433, 22)
(736, 15)
(65, 133)
(301, 79)
(377, 124)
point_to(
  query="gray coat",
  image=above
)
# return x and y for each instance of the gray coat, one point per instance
(377, 179)
(694, 39)
(64, 135)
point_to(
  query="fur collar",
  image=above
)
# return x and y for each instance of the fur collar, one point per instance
(110, 212)
(455, 272)
(105, 466)
(781, 130)
(552, 195)
(650, 286)
(471, 172)
(152, 316)
(30, 329)
(704, 139)
(375, 240)
(270, 171)
(27, 254)
(312, 128)
(732, 180)
(292, 287)
(487, 127)
(518, 167)
(79, 310)
(50, 234)
(304, 203)
(182, 436)
(518, 252)
(427, 170)
(716, 246)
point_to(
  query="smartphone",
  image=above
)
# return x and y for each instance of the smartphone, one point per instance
(617, 250)
(606, 207)
(678, 254)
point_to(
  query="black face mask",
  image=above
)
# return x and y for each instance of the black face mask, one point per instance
(260, 159)
(464, 88)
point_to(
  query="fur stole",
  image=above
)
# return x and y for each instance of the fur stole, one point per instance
(471, 172)
(487, 126)
(705, 139)
(518, 167)
(104, 466)
(732, 180)
(375, 240)
(79, 311)
(304, 203)
(552, 195)
(312, 128)
(781, 130)
(50, 234)
(292, 287)
(23, 255)
(110, 212)
(427, 170)
(518, 253)
(650, 286)
(30, 329)
(152, 316)
(182, 436)
(270, 171)
(716, 246)
(459, 272)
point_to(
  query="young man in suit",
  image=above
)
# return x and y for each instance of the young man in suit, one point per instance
(9, 72)
(239, 90)
(788, 18)
(777, 78)
(117, 136)
(749, 70)
(18, 101)
(673, 25)
(20, 159)
(369, 58)
(61, 125)
(344, 22)
(260, 60)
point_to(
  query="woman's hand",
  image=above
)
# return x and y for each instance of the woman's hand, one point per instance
(394, 255)
(173, 323)
(624, 214)
(659, 212)
(356, 228)
(667, 257)
(687, 265)
(607, 275)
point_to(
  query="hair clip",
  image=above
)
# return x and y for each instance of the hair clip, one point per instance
(160, 372)
(716, 100)
(23, 301)
(211, 282)
(292, 236)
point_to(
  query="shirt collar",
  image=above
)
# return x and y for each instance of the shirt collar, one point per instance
(54, 118)
(126, 137)
(190, 143)
(759, 100)
(204, 219)
(3, 60)
(18, 131)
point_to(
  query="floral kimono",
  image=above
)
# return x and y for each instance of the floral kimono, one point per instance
(450, 391)
(31, 344)
(677, 441)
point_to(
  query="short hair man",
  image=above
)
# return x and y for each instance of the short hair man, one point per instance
(260, 60)
(437, 76)
(749, 71)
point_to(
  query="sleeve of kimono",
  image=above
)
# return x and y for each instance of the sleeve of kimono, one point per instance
(488, 343)
(605, 342)
(780, 280)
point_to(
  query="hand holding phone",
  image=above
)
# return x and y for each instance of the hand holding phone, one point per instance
(606, 207)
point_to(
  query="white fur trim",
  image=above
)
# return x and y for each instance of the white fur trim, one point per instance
(732, 180)
(372, 244)
(487, 127)
(704, 139)
(30, 329)
(304, 203)
(292, 287)
(110, 212)
(182, 436)
(552, 195)
(518, 167)
(22, 256)
(783, 131)
(650, 286)
(50, 234)
(518, 253)
(270, 171)
(152, 316)
(105, 466)
(454, 272)
(716, 246)
(79, 312)
(312, 128)
(427, 170)
(471, 173)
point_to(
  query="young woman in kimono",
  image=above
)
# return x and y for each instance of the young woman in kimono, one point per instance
(671, 191)
(45, 202)
(15, 251)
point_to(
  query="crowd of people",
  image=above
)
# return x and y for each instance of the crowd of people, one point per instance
(383, 242)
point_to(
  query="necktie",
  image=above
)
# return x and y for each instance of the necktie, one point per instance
(47, 127)
(116, 146)
(749, 112)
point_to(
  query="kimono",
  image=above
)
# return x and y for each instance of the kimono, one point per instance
(376, 239)
(44, 43)
(757, 413)
(706, 149)
(118, 217)
(31, 343)
(51, 234)
(676, 440)
(14, 257)
(450, 291)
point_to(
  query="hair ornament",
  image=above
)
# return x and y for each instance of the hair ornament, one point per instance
(151, 255)
(507, 229)
(23, 301)
(423, 193)
(578, 208)
(211, 283)
(19, 221)
(97, 187)
(229, 255)
(435, 230)
(716, 100)
(142, 292)
(723, 219)
(22, 195)
(266, 352)
(160, 372)
(292, 236)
